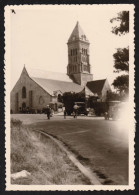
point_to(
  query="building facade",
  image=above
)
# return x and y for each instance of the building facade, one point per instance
(34, 90)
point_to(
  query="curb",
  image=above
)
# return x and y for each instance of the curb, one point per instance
(85, 171)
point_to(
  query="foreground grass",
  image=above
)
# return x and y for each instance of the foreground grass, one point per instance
(41, 157)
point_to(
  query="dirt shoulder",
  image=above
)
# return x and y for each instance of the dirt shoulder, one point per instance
(41, 157)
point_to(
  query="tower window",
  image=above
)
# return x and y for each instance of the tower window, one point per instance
(23, 92)
(71, 52)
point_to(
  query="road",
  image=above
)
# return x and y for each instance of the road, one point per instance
(102, 145)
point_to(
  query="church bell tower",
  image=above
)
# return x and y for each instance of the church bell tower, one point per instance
(78, 67)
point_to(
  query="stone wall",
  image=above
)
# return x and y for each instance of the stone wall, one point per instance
(82, 78)
(40, 98)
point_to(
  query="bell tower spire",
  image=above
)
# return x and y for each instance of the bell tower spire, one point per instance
(78, 67)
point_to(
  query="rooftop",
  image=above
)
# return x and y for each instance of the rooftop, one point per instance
(96, 86)
(77, 34)
(38, 73)
(51, 86)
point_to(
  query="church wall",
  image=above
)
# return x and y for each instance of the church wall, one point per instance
(105, 89)
(40, 98)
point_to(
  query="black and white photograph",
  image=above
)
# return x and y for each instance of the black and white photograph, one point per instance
(69, 73)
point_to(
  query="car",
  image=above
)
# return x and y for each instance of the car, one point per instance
(82, 108)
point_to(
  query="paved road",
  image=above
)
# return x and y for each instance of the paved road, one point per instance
(99, 144)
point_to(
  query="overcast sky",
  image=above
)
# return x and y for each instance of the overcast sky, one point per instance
(39, 38)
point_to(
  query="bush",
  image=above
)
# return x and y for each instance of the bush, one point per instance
(16, 123)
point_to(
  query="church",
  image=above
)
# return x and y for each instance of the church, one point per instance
(36, 89)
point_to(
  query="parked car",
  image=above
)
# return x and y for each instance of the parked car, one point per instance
(82, 108)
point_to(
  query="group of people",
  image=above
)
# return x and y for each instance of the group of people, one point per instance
(75, 111)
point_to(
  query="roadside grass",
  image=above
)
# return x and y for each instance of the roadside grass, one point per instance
(40, 156)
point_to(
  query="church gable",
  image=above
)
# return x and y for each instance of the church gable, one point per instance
(27, 93)
(100, 88)
(96, 86)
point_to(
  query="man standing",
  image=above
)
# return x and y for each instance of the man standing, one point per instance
(64, 109)
(75, 109)
(48, 111)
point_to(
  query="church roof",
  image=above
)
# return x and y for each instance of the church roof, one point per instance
(52, 82)
(51, 86)
(87, 91)
(48, 75)
(77, 34)
(96, 86)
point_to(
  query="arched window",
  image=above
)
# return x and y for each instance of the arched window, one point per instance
(23, 92)
(71, 52)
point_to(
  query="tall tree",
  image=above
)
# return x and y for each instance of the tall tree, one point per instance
(123, 18)
(121, 60)
(121, 83)
(121, 57)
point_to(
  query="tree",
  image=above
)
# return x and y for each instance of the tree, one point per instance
(121, 60)
(123, 18)
(70, 98)
(122, 83)
(121, 63)
(121, 57)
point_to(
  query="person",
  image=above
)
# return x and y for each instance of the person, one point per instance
(65, 114)
(48, 111)
(64, 110)
(75, 109)
(106, 114)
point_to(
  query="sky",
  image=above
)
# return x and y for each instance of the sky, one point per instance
(39, 38)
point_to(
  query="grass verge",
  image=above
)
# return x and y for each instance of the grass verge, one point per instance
(41, 157)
